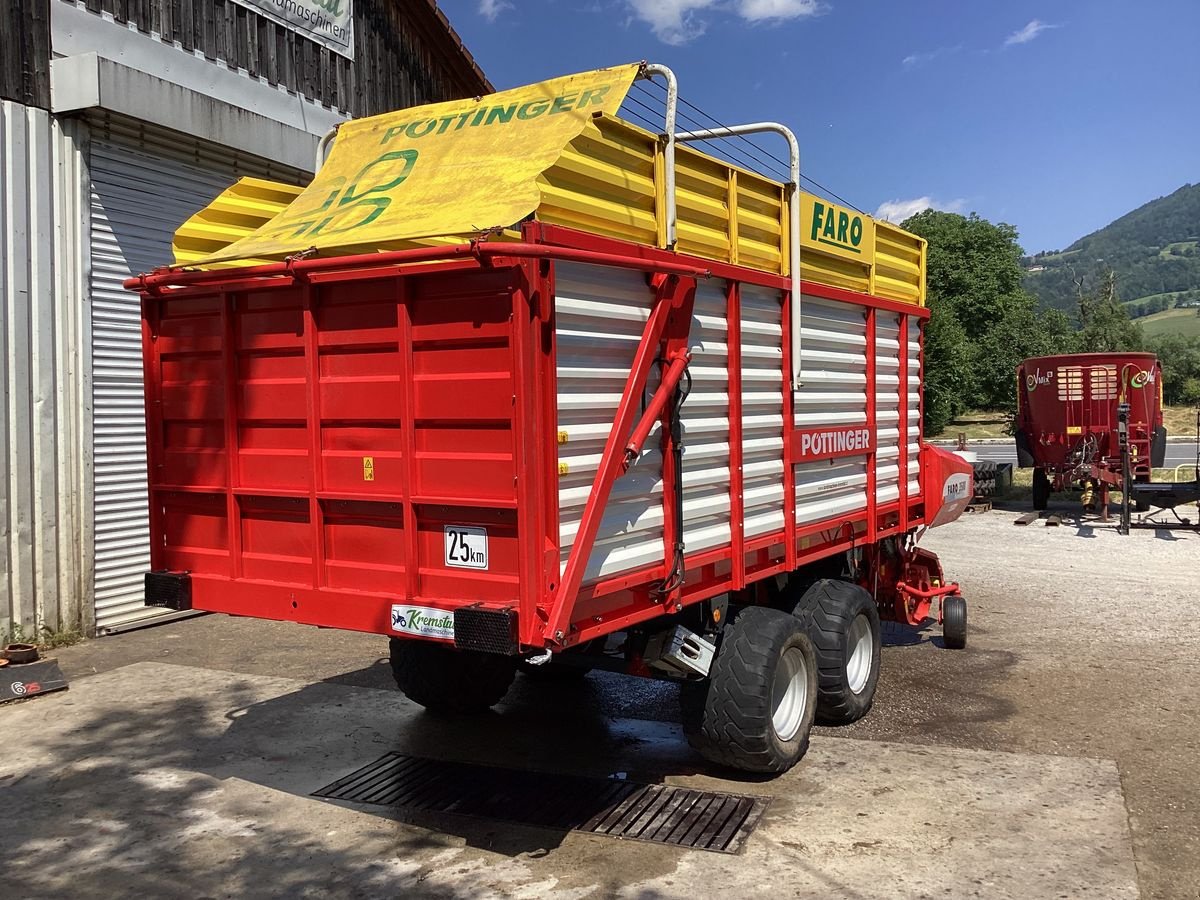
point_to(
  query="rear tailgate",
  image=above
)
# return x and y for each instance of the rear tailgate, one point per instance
(343, 454)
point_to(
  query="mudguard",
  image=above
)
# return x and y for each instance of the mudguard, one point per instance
(950, 484)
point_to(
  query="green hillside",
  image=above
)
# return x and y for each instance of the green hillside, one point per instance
(1180, 322)
(1154, 250)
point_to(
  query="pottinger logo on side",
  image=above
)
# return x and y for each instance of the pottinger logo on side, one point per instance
(828, 443)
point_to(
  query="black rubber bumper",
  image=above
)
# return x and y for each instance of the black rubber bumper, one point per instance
(169, 590)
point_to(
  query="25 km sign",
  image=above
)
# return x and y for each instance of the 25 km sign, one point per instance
(466, 546)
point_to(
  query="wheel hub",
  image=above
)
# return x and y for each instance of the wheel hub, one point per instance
(860, 650)
(789, 694)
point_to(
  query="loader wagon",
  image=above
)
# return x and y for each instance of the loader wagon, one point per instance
(523, 386)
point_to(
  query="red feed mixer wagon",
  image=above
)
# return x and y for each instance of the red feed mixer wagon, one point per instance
(520, 385)
(1068, 427)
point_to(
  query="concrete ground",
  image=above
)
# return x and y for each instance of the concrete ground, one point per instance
(1055, 757)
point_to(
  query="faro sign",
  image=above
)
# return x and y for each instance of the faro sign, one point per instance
(836, 231)
(328, 22)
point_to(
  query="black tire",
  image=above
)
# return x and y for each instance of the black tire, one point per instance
(954, 622)
(443, 679)
(828, 611)
(728, 716)
(1041, 489)
(1024, 453)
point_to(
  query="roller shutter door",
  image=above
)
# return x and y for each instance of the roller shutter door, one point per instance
(141, 191)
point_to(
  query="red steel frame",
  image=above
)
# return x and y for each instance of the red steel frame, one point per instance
(551, 612)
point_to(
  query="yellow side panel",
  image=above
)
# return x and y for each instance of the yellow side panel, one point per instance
(759, 214)
(241, 210)
(609, 181)
(899, 264)
(702, 204)
(603, 183)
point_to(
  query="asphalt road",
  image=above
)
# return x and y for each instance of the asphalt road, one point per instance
(1178, 452)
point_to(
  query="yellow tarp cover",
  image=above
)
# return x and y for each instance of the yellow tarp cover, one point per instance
(442, 169)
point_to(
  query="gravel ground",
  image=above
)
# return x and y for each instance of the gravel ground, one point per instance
(1081, 644)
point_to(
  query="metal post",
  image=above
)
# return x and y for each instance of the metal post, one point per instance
(1126, 473)
(323, 146)
(793, 213)
(668, 138)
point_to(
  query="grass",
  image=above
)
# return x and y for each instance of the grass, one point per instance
(977, 424)
(45, 637)
(1180, 421)
(1170, 295)
(1165, 252)
(1183, 322)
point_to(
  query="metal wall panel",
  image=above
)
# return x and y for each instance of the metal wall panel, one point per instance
(42, 571)
(141, 191)
(705, 419)
(600, 314)
(833, 392)
(887, 407)
(914, 407)
(762, 409)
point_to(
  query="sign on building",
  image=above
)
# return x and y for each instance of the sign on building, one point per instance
(328, 22)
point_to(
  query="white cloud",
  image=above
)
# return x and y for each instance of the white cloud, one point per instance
(899, 210)
(1028, 33)
(491, 9)
(764, 10)
(919, 59)
(676, 22)
(673, 21)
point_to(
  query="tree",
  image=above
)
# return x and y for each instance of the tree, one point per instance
(1106, 326)
(972, 263)
(982, 322)
(1180, 358)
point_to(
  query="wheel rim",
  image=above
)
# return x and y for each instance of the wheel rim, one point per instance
(789, 694)
(861, 649)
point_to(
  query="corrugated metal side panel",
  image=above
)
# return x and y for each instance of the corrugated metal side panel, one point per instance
(604, 183)
(609, 181)
(705, 419)
(41, 565)
(887, 407)
(762, 409)
(238, 211)
(899, 264)
(914, 407)
(600, 315)
(139, 198)
(833, 392)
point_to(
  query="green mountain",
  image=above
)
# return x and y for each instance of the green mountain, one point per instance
(1155, 251)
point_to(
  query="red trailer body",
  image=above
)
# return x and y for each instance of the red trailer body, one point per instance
(326, 436)
(1067, 417)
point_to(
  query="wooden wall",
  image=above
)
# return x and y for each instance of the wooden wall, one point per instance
(25, 52)
(404, 52)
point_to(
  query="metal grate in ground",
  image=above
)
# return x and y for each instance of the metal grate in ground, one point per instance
(663, 814)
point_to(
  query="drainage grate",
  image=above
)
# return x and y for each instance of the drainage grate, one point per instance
(701, 820)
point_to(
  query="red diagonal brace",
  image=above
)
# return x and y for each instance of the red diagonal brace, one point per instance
(671, 292)
(650, 417)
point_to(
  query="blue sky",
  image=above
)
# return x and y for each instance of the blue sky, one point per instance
(1056, 117)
